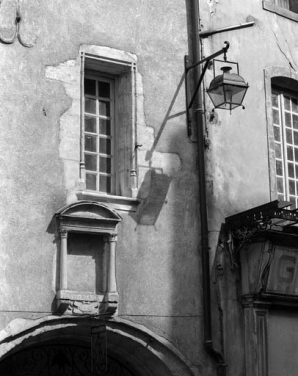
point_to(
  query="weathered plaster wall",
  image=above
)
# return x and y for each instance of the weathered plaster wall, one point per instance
(237, 159)
(157, 257)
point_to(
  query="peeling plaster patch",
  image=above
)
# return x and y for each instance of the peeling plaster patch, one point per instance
(68, 74)
(168, 163)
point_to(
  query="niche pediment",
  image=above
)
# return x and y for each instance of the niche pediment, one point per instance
(88, 216)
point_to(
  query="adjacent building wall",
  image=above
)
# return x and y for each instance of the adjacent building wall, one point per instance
(238, 160)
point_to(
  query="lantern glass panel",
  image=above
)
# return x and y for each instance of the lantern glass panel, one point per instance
(217, 95)
(238, 94)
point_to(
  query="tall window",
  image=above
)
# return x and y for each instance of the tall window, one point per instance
(282, 3)
(99, 132)
(285, 127)
(291, 5)
(107, 124)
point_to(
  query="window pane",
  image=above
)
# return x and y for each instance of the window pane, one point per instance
(98, 132)
(291, 187)
(280, 185)
(290, 153)
(296, 155)
(293, 202)
(105, 146)
(289, 136)
(283, 3)
(287, 102)
(105, 127)
(91, 162)
(281, 197)
(276, 131)
(90, 86)
(91, 182)
(279, 169)
(104, 108)
(105, 165)
(90, 105)
(103, 89)
(291, 170)
(295, 121)
(294, 6)
(90, 124)
(296, 170)
(90, 143)
(294, 105)
(278, 151)
(105, 183)
(275, 114)
(274, 100)
(288, 120)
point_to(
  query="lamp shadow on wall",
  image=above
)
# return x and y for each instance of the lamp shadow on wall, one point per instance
(156, 182)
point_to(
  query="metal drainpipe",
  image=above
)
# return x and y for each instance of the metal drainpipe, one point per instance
(199, 122)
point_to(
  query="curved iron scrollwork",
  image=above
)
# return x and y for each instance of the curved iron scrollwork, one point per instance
(242, 236)
(11, 36)
(58, 360)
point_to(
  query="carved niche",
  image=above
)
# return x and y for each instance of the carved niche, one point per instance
(87, 257)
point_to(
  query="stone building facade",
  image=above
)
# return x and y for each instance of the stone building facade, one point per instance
(101, 244)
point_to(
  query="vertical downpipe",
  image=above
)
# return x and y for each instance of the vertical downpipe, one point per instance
(199, 123)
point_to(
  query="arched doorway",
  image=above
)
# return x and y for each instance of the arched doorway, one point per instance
(60, 358)
(61, 346)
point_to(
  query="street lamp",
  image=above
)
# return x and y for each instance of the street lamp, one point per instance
(226, 91)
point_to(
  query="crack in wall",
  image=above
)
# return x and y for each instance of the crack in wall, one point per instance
(276, 29)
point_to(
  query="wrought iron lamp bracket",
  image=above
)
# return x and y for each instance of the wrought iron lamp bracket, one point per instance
(188, 67)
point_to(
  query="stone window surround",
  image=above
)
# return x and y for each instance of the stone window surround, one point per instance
(280, 11)
(270, 73)
(122, 65)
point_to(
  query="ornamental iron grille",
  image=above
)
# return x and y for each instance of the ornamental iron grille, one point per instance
(58, 360)
(274, 217)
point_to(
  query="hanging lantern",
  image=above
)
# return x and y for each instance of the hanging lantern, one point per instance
(227, 90)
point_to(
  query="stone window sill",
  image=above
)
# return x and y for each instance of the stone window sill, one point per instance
(115, 202)
(280, 11)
